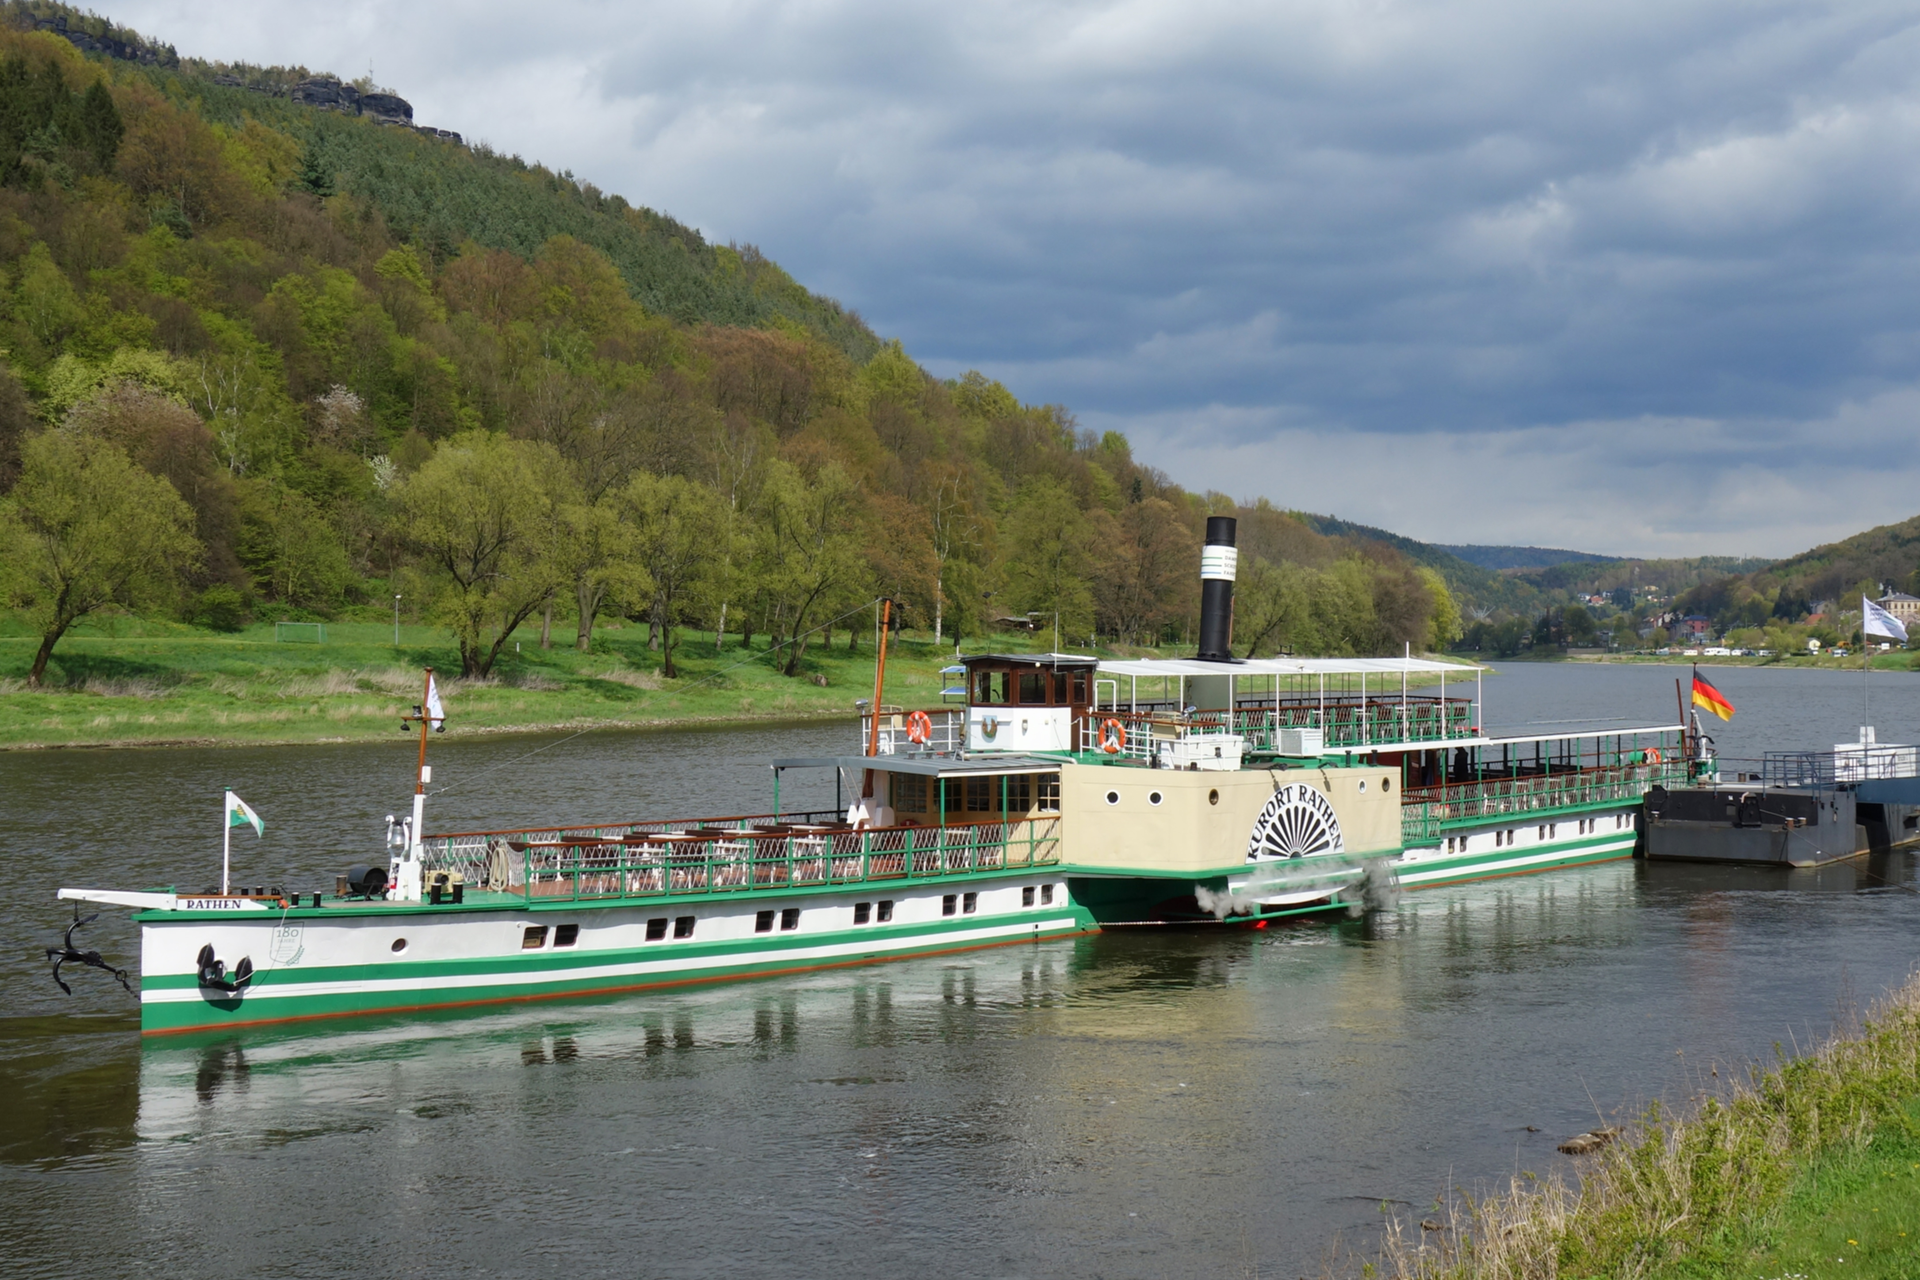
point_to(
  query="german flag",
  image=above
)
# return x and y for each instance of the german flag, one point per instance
(1705, 695)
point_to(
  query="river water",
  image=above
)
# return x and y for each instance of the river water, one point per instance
(1199, 1103)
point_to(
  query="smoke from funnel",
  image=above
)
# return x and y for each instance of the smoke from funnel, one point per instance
(1219, 562)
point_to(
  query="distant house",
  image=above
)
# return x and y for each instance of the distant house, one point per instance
(1012, 623)
(1694, 626)
(1902, 606)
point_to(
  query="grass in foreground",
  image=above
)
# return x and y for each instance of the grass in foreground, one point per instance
(125, 682)
(1853, 1213)
(1781, 1176)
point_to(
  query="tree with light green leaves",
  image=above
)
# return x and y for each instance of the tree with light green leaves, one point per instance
(482, 514)
(811, 547)
(85, 528)
(598, 550)
(681, 532)
(1046, 539)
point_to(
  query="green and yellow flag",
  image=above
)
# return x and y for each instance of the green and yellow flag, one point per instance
(241, 814)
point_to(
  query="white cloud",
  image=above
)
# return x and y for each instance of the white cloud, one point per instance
(1531, 242)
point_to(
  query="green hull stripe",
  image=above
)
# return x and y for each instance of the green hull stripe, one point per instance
(710, 963)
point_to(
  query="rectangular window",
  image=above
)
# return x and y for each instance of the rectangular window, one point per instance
(947, 904)
(1046, 895)
(979, 793)
(763, 922)
(1033, 688)
(862, 912)
(534, 938)
(656, 928)
(969, 903)
(1079, 686)
(990, 688)
(1047, 795)
(566, 935)
(909, 792)
(789, 919)
(1017, 788)
(683, 926)
(1026, 896)
(886, 910)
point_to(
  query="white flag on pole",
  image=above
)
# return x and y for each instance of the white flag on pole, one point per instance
(436, 714)
(241, 814)
(1875, 621)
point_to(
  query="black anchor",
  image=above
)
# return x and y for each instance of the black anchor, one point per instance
(61, 954)
(213, 972)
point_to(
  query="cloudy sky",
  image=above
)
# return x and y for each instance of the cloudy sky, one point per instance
(1632, 277)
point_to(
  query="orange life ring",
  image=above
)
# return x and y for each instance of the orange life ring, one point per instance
(1653, 755)
(1113, 736)
(919, 727)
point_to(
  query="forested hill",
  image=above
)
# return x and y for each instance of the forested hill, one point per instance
(1490, 557)
(265, 356)
(1829, 578)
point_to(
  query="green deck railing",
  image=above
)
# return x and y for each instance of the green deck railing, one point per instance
(1427, 811)
(577, 864)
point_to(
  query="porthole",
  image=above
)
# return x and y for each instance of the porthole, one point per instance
(1154, 797)
(399, 945)
(1213, 797)
(1363, 784)
(1386, 784)
(1113, 797)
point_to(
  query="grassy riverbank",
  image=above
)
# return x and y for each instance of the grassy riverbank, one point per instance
(123, 681)
(126, 682)
(1809, 1170)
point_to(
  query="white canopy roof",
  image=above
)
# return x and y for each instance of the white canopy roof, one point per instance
(1281, 667)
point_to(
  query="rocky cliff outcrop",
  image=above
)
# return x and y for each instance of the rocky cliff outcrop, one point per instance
(99, 36)
(324, 92)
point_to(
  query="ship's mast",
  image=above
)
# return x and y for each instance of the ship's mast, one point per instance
(879, 689)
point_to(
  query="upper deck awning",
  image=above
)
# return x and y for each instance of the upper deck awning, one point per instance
(1188, 667)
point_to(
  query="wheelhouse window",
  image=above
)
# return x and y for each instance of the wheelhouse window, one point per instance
(1033, 688)
(990, 688)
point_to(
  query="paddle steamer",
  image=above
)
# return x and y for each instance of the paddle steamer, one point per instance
(1068, 794)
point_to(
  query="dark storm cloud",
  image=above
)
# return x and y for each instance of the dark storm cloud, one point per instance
(1336, 253)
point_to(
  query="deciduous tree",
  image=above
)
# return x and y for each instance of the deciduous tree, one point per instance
(482, 515)
(85, 528)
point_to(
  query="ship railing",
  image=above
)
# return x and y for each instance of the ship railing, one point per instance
(947, 736)
(650, 864)
(1139, 735)
(1844, 764)
(474, 853)
(1343, 723)
(1425, 810)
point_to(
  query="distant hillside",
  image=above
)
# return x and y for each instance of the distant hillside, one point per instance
(1476, 585)
(1492, 557)
(1839, 572)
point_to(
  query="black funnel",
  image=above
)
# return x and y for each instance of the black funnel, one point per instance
(1218, 563)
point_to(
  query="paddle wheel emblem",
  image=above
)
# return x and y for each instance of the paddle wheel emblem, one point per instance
(1297, 821)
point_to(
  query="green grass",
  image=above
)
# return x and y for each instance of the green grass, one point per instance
(125, 681)
(1810, 1169)
(1854, 1213)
